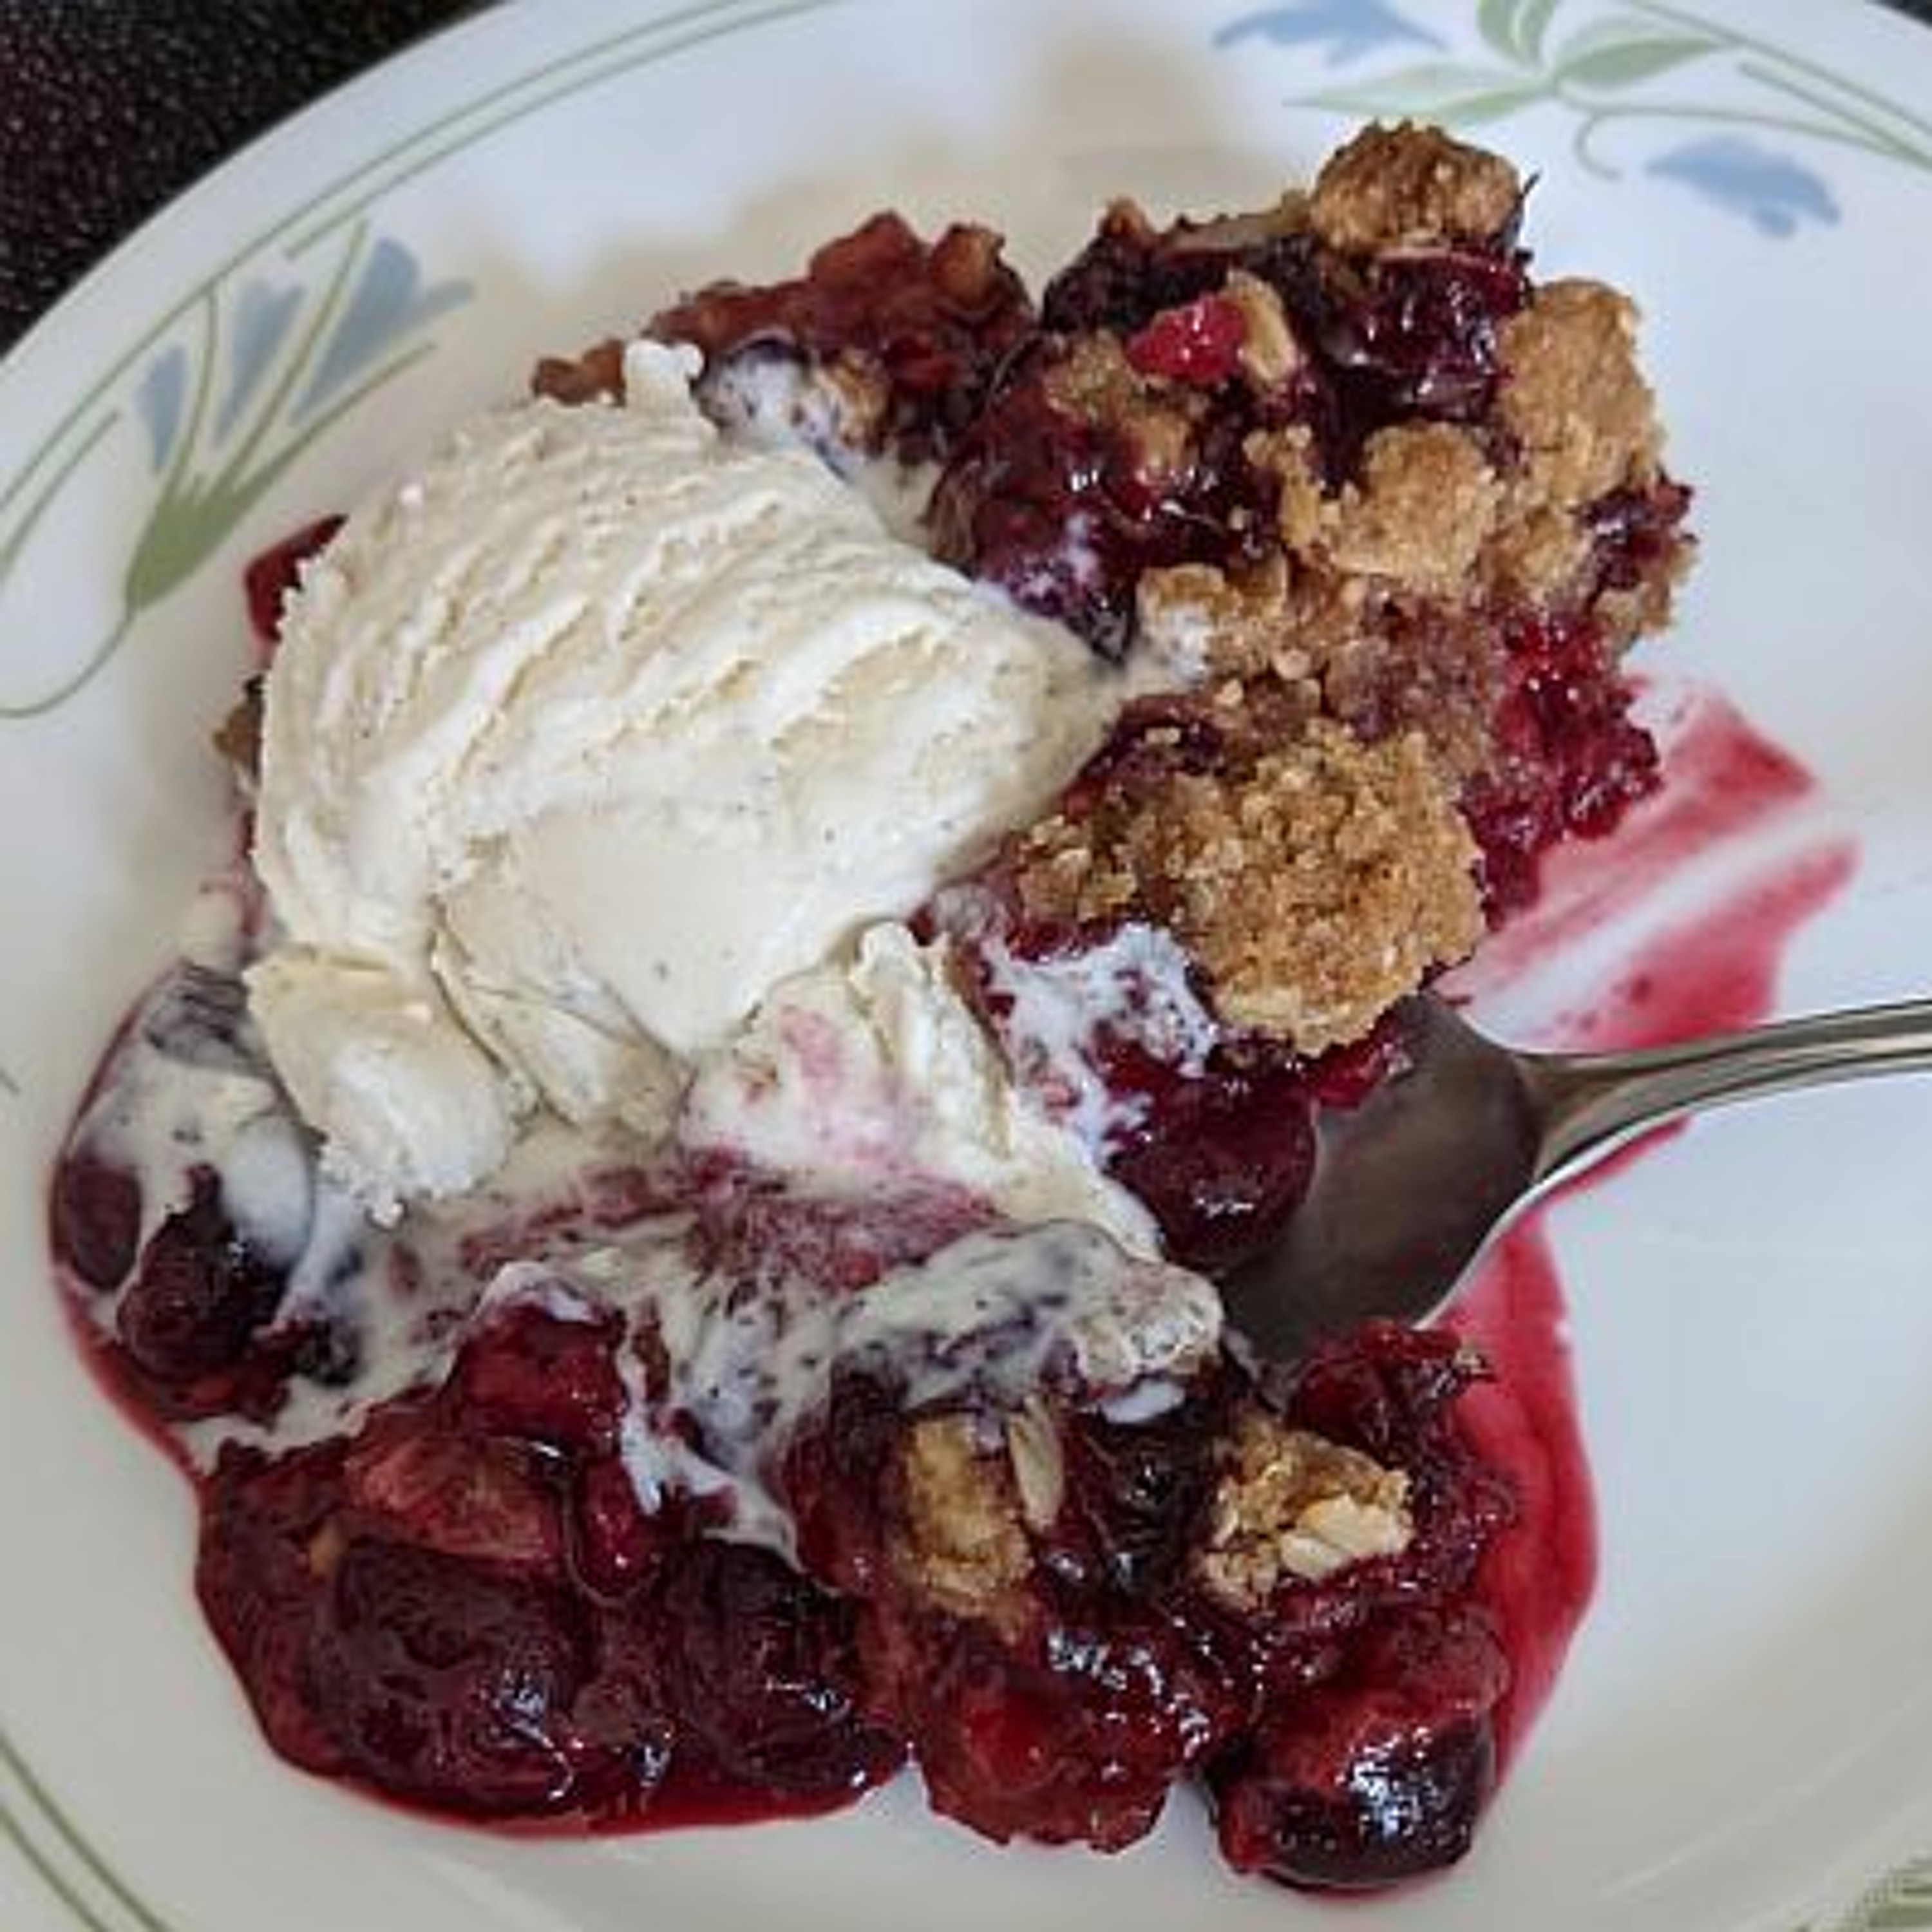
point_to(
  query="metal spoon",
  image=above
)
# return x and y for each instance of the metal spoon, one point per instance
(1412, 1184)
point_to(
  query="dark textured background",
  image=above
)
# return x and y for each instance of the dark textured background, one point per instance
(107, 107)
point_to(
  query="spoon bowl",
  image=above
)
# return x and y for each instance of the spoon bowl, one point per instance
(1412, 1184)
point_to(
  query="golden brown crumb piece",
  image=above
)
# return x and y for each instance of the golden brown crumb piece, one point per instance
(1208, 624)
(1408, 187)
(963, 1548)
(966, 265)
(1426, 506)
(1624, 616)
(1539, 554)
(1304, 506)
(1269, 353)
(597, 374)
(1096, 383)
(1290, 1505)
(238, 737)
(1315, 886)
(1572, 396)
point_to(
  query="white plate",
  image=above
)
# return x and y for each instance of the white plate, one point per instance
(1743, 1738)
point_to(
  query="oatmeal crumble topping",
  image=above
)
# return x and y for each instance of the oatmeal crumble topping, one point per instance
(1292, 1505)
(1095, 383)
(1315, 884)
(1572, 396)
(1235, 626)
(1269, 353)
(963, 1547)
(1409, 187)
(1420, 517)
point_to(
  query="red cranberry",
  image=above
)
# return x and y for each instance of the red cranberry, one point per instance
(615, 1545)
(1133, 1493)
(484, 1498)
(267, 1537)
(1079, 1746)
(1200, 342)
(527, 1372)
(762, 1672)
(1378, 1777)
(96, 1219)
(200, 1294)
(443, 1681)
(1221, 1160)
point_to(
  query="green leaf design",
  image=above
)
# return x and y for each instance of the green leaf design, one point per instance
(1495, 21)
(1532, 24)
(1516, 28)
(1619, 53)
(1439, 91)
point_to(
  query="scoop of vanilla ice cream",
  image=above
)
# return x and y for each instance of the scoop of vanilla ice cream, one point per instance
(582, 738)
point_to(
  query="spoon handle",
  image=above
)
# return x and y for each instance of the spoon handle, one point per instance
(1592, 1104)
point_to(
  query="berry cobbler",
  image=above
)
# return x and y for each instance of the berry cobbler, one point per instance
(802, 892)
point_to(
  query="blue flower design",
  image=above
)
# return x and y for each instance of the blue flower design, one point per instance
(1773, 192)
(262, 318)
(1346, 29)
(389, 301)
(160, 398)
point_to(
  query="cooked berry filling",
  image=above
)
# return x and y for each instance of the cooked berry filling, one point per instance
(642, 1487)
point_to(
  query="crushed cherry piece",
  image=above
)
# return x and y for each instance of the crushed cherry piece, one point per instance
(615, 1545)
(1199, 343)
(1417, 337)
(447, 1681)
(763, 1674)
(96, 1219)
(1376, 1776)
(1637, 532)
(527, 1372)
(1220, 1160)
(1570, 760)
(422, 1482)
(267, 1539)
(199, 1295)
(1082, 1748)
